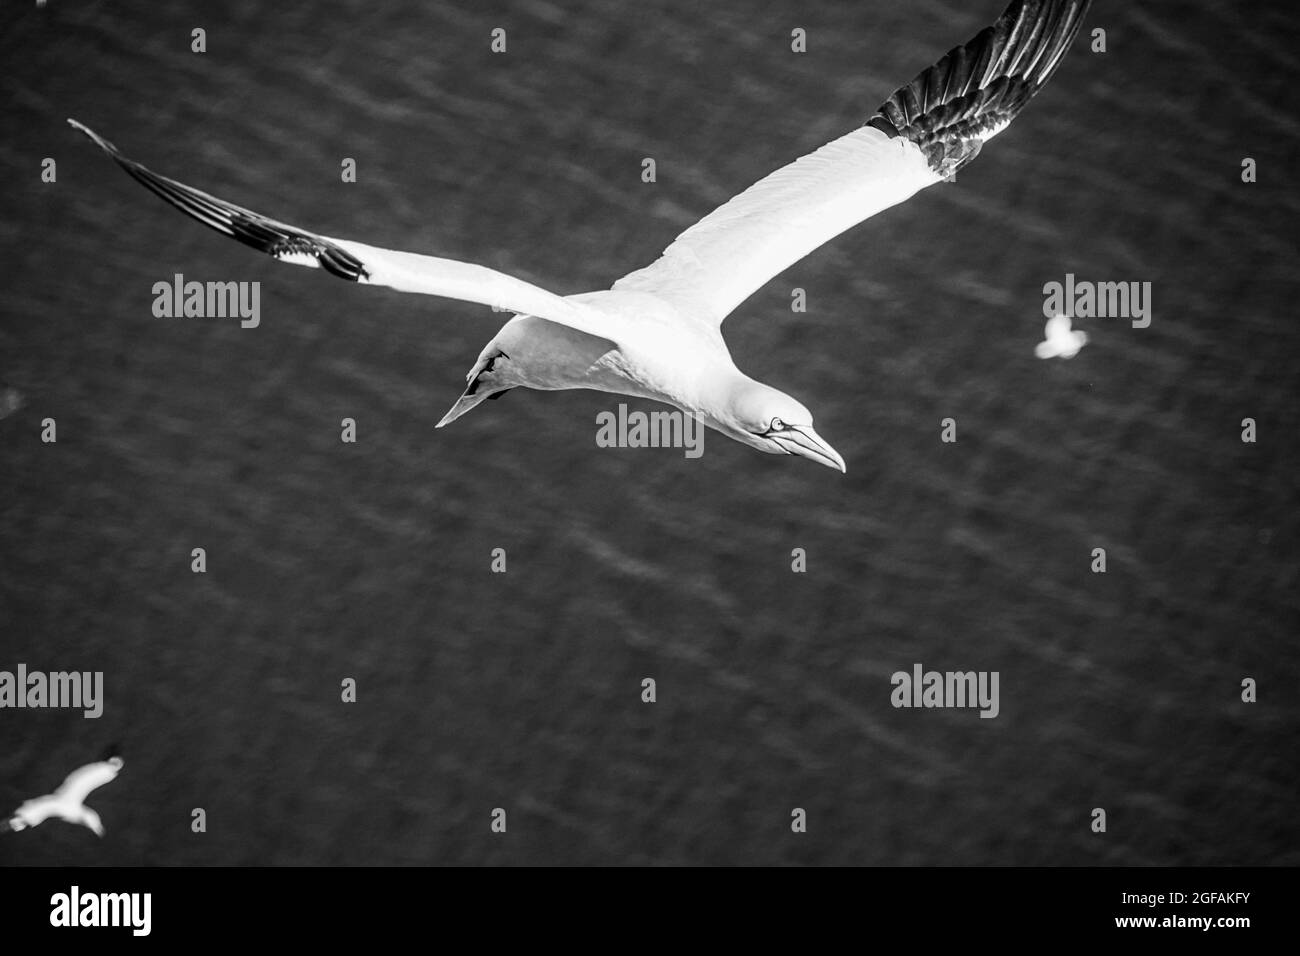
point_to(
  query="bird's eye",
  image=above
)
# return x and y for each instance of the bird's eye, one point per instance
(777, 425)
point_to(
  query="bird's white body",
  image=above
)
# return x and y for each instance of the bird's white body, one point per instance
(68, 802)
(657, 333)
(647, 349)
(1059, 341)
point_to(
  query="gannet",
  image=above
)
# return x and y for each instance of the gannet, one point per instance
(656, 333)
(68, 802)
(1058, 340)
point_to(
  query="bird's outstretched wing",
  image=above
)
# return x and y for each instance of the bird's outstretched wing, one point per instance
(354, 261)
(83, 780)
(921, 135)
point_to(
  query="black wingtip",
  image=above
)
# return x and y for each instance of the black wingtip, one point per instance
(976, 89)
(266, 235)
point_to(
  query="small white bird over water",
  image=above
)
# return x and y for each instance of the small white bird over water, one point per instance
(69, 801)
(657, 332)
(1059, 341)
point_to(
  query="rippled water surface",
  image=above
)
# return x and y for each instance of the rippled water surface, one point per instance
(522, 690)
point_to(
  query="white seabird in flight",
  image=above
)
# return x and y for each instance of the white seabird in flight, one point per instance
(1059, 341)
(657, 332)
(69, 801)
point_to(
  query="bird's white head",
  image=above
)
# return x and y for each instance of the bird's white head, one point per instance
(771, 421)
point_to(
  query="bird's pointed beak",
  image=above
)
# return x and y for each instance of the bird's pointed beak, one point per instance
(802, 440)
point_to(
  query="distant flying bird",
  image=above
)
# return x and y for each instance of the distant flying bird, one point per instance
(657, 332)
(69, 801)
(1060, 342)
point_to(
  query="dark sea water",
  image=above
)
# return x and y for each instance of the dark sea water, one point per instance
(522, 690)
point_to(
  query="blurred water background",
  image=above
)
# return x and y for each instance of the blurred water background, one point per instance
(522, 690)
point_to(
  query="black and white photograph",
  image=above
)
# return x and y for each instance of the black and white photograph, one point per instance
(548, 433)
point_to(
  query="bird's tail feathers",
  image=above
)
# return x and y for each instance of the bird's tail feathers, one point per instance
(480, 387)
